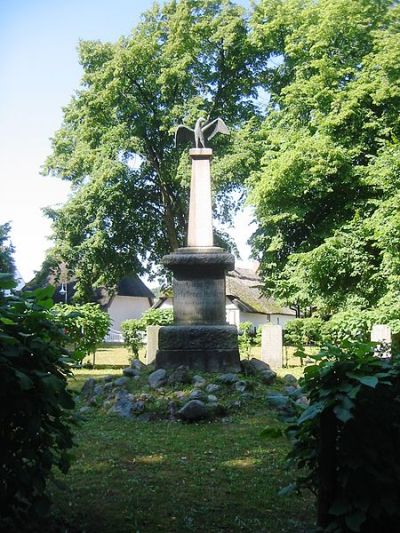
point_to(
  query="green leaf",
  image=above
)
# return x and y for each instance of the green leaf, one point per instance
(355, 520)
(7, 281)
(7, 321)
(311, 412)
(339, 507)
(44, 293)
(369, 381)
(25, 381)
(342, 413)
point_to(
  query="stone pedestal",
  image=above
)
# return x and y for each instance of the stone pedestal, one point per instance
(204, 348)
(200, 338)
(381, 333)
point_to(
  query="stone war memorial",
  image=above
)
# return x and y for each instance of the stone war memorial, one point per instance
(200, 338)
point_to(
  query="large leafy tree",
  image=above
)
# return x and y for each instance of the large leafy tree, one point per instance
(129, 201)
(327, 191)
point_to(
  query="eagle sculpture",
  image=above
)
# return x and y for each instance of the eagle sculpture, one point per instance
(201, 131)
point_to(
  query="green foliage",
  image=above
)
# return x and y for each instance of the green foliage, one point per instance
(303, 331)
(327, 190)
(157, 317)
(348, 325)
(351, 427)
(86, 326)
(184, 59)
(6, 249)
(133, 331)
(246, 338)
(35, 432)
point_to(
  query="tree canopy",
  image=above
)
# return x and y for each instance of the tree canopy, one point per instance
(321, 161)
(6, 249)
(327, 190)
(129, 201)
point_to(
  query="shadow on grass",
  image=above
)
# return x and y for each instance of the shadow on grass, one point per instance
(133, 476)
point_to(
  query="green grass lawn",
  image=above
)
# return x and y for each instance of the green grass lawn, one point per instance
(112, 355)
(134, 476)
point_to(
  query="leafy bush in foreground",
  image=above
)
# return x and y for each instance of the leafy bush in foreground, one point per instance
(35, 432)
(346, 443)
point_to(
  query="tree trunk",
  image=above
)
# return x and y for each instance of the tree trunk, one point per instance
(170, 226)
(327, 467)
(167, 202)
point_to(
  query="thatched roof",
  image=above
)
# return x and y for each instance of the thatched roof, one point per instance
(132, 285)
(243, 288)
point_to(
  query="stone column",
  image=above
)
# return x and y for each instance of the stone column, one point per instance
(200, 231)
(200, 337)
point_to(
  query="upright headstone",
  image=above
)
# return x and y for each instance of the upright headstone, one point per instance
(382, 334)
(272, 345)
(152, 343)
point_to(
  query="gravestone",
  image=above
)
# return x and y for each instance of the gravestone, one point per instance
(200, 337)
(152, 343)
(382, 334)
(272, 345)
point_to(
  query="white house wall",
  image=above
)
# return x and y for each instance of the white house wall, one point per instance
(234, 316)
(257, 319)
(282, 320)
(167, 304)
(232, 313)
(126, 307)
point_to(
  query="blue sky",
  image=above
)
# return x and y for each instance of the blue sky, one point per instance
(39, 72)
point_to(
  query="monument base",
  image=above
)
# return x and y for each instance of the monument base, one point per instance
(203, 348)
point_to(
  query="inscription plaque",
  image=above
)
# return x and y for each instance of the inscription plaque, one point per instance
(199, 301)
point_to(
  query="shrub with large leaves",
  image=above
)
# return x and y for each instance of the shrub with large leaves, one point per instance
(346, 443)
(35, 424)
